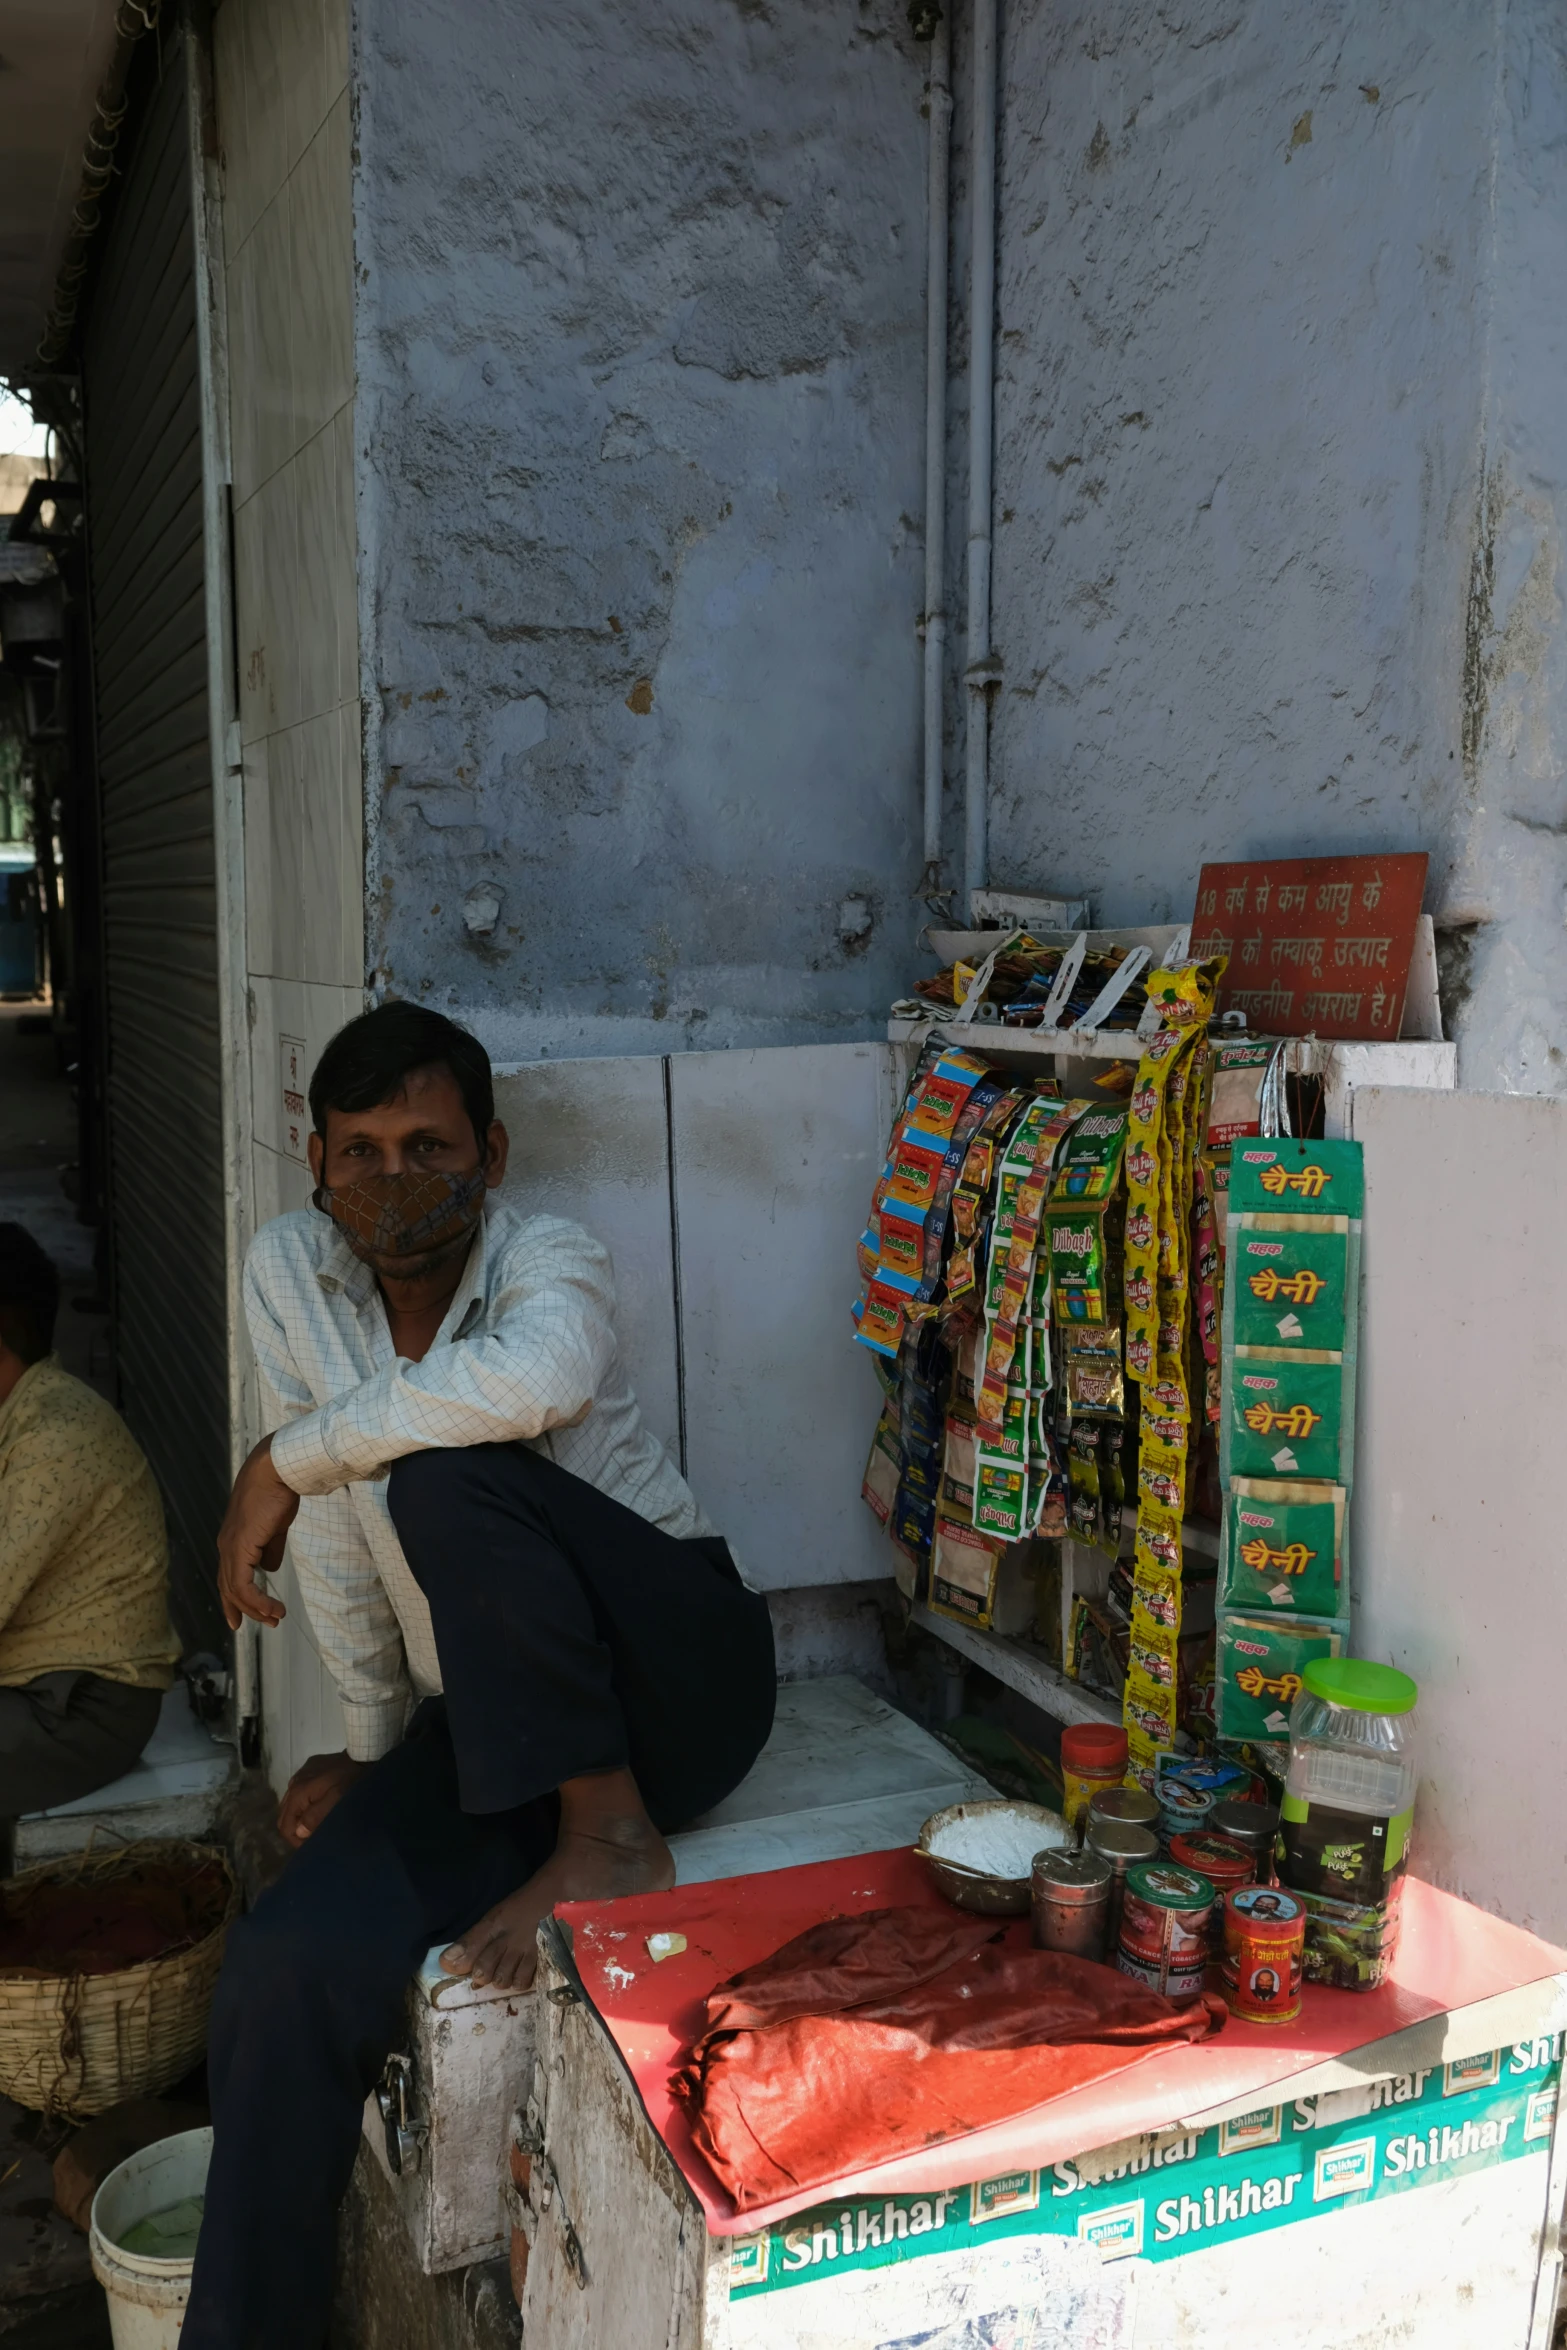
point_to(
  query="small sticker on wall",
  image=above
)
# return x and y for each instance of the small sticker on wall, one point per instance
(296, 1108)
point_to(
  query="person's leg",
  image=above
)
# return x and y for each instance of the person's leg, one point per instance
(310, 1999)
(575, 1638)
(68, 1734)
(583, 1651)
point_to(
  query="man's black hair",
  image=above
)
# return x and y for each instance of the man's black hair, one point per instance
(367, 1063)
(29, 1294)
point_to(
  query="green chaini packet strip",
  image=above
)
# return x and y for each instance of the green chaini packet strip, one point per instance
(1259, 1668)
(1285, 1417)
(1291, 1288)
(1282, 1548)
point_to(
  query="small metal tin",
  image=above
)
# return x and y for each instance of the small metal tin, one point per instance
(1071, 1898)
(1256, 1825)
(1264, 1951)
(1164, 1928)
(1181, 1809)
(1123, 1803)
(1123, 1844)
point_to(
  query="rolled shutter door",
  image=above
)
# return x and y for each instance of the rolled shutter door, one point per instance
(164, 1096)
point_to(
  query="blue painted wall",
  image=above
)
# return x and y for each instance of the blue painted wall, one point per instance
(1282, 447)
(640, 368)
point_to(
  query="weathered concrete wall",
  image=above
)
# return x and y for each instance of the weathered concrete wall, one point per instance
(1508, 846)
(640, 367)
(1280, 434)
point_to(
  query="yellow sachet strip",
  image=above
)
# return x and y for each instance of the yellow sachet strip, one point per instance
(1150, 1712)
(1142, 1758)
(1156, 1600)
(1158, 1544)
(1165, 1124)
(1151, 1663)
(1145, 1126)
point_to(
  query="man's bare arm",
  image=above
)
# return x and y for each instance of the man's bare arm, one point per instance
(250, 1540)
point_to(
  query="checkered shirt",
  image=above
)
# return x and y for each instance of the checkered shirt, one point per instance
(526, 1352)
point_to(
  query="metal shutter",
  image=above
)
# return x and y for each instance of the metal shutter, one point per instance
(164, 1096)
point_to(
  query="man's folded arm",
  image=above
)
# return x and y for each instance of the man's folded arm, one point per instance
(536, 1366)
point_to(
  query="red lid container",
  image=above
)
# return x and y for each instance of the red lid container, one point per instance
(1222, 1862)
(1093, 1746)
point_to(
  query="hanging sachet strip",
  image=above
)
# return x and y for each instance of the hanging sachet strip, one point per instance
(1165, 1125)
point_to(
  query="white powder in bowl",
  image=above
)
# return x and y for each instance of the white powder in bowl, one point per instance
(999, 1842)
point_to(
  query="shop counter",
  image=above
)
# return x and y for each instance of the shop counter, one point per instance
(843, 1772)
(1389, 2166)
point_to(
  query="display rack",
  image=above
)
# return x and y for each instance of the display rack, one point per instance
(1021, 1666)
(1342, 1068)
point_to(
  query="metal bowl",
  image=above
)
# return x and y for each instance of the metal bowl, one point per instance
(993, 1897)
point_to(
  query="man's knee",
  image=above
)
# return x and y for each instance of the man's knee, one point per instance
(427, 1492)
(423, 1489)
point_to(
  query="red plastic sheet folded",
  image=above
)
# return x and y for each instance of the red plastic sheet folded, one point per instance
(898, 2028)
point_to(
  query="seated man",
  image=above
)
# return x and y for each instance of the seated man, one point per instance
(545, 1655)
(85, 1646)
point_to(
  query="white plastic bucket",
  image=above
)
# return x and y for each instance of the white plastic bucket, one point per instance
(146, 2297)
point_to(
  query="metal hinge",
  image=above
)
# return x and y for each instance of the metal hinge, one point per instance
(405, 2139)
(526, 2206)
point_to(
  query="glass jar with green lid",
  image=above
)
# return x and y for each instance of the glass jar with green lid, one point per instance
(1352, 1736)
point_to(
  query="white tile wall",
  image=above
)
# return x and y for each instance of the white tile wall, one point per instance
(289, 1007)
(321, 232)
(282, 1185)
(263, 375)
(281, 75)
(281, 85)
(589, 1140)
(775, 1156)
(319, 574)
(775, 1153)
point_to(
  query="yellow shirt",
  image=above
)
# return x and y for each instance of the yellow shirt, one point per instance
(84, 1563)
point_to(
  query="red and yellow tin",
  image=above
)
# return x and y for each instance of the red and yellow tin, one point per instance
(1264, 1941)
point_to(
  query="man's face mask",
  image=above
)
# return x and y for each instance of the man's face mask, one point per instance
(413, 1218)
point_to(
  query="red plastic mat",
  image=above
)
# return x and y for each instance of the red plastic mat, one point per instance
(1451, 1956)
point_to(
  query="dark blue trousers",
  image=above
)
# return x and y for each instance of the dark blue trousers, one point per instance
(573, 1636)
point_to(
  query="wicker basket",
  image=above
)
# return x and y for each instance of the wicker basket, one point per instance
(71, 2045)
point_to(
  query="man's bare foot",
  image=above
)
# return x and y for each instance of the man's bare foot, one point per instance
(606, 1846)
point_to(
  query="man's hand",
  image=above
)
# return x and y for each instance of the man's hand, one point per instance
(250, 1540)
(312, 1791)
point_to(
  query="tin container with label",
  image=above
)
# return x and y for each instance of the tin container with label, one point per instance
(1164, 1928)
(1181, 1809)
(1071, 1897)
(1264, 1945)
(1225, 1865)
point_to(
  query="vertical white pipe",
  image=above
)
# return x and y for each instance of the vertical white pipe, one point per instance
(982, 332)
(940, 151)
